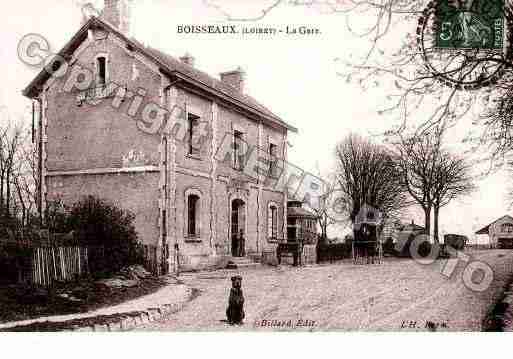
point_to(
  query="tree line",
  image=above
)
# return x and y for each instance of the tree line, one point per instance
(391, 177)
(18, 173)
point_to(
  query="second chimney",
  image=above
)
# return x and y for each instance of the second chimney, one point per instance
(234, 78)
(118, 13)
(188, 59)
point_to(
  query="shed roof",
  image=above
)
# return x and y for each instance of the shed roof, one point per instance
(298, 212)
(485, 230)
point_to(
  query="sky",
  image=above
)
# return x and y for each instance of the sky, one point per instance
(295, 76)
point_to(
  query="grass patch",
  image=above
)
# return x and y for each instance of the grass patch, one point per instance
(20, 302)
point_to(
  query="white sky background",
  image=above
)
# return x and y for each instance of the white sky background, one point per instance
(295, 76)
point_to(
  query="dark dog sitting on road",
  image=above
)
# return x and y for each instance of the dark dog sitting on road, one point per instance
(235, 311)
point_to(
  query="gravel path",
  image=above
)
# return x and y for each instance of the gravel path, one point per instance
(344, 296)
(173, 293)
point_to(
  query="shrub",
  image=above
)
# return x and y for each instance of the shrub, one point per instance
(56, 217)
(106, 229)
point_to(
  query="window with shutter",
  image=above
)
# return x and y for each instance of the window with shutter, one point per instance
(193, 140)
(238, 150)
(273, 160)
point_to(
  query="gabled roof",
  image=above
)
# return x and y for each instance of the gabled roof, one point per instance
(169, 66)
(485, 230)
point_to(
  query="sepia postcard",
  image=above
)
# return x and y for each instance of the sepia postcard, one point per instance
(256, 166)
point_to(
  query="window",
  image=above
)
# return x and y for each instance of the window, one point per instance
(272, 221)
(101, 66)
(193, 148)
(193, 215)
(273, 160)
(507, 228)
(238, 150)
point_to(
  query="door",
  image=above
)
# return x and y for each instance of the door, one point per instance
(238, 227)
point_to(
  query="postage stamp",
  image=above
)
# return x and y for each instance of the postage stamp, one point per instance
(473, 24)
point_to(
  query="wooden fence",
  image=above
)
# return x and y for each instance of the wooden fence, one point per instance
(152, 261)
(42, 258)
(63, 264)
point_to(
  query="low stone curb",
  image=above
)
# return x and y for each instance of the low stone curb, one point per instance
(130, 321)
(126, 318)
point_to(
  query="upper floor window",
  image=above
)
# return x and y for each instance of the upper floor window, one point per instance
(273, 160)
(101, 66)
(507, 228)
(238, 150)
(193, 143)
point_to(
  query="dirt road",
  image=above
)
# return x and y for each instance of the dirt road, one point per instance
(398, 295)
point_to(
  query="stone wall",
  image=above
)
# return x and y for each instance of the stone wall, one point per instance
(137, 192)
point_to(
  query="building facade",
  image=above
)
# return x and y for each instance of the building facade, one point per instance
(154, 135)
(500, 232)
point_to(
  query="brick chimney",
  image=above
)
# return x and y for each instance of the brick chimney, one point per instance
(234, 78)
(188, 59)
(118, 13)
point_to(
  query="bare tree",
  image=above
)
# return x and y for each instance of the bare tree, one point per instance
(17, 171)
(453, 179)
(418, 158)
(432, 175)
(368, 176)
(330, 208)
(10, 143)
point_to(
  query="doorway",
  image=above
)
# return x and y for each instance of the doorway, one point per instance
(238, 223)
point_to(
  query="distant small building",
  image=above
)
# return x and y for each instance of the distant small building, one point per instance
(301, 223)
(500, 232)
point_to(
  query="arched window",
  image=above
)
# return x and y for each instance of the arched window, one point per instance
(272, 221)
(193, 215)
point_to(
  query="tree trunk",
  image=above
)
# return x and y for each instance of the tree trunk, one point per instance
(435, 229)
(2, 193)
(8, 194)
(427, 220)
(22, 202)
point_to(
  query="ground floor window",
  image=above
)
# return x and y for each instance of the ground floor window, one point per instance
(193, 209)
(272, 221)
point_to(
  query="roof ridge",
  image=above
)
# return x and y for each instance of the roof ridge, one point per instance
(173, 65)
(216, 81)
(485, 228)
